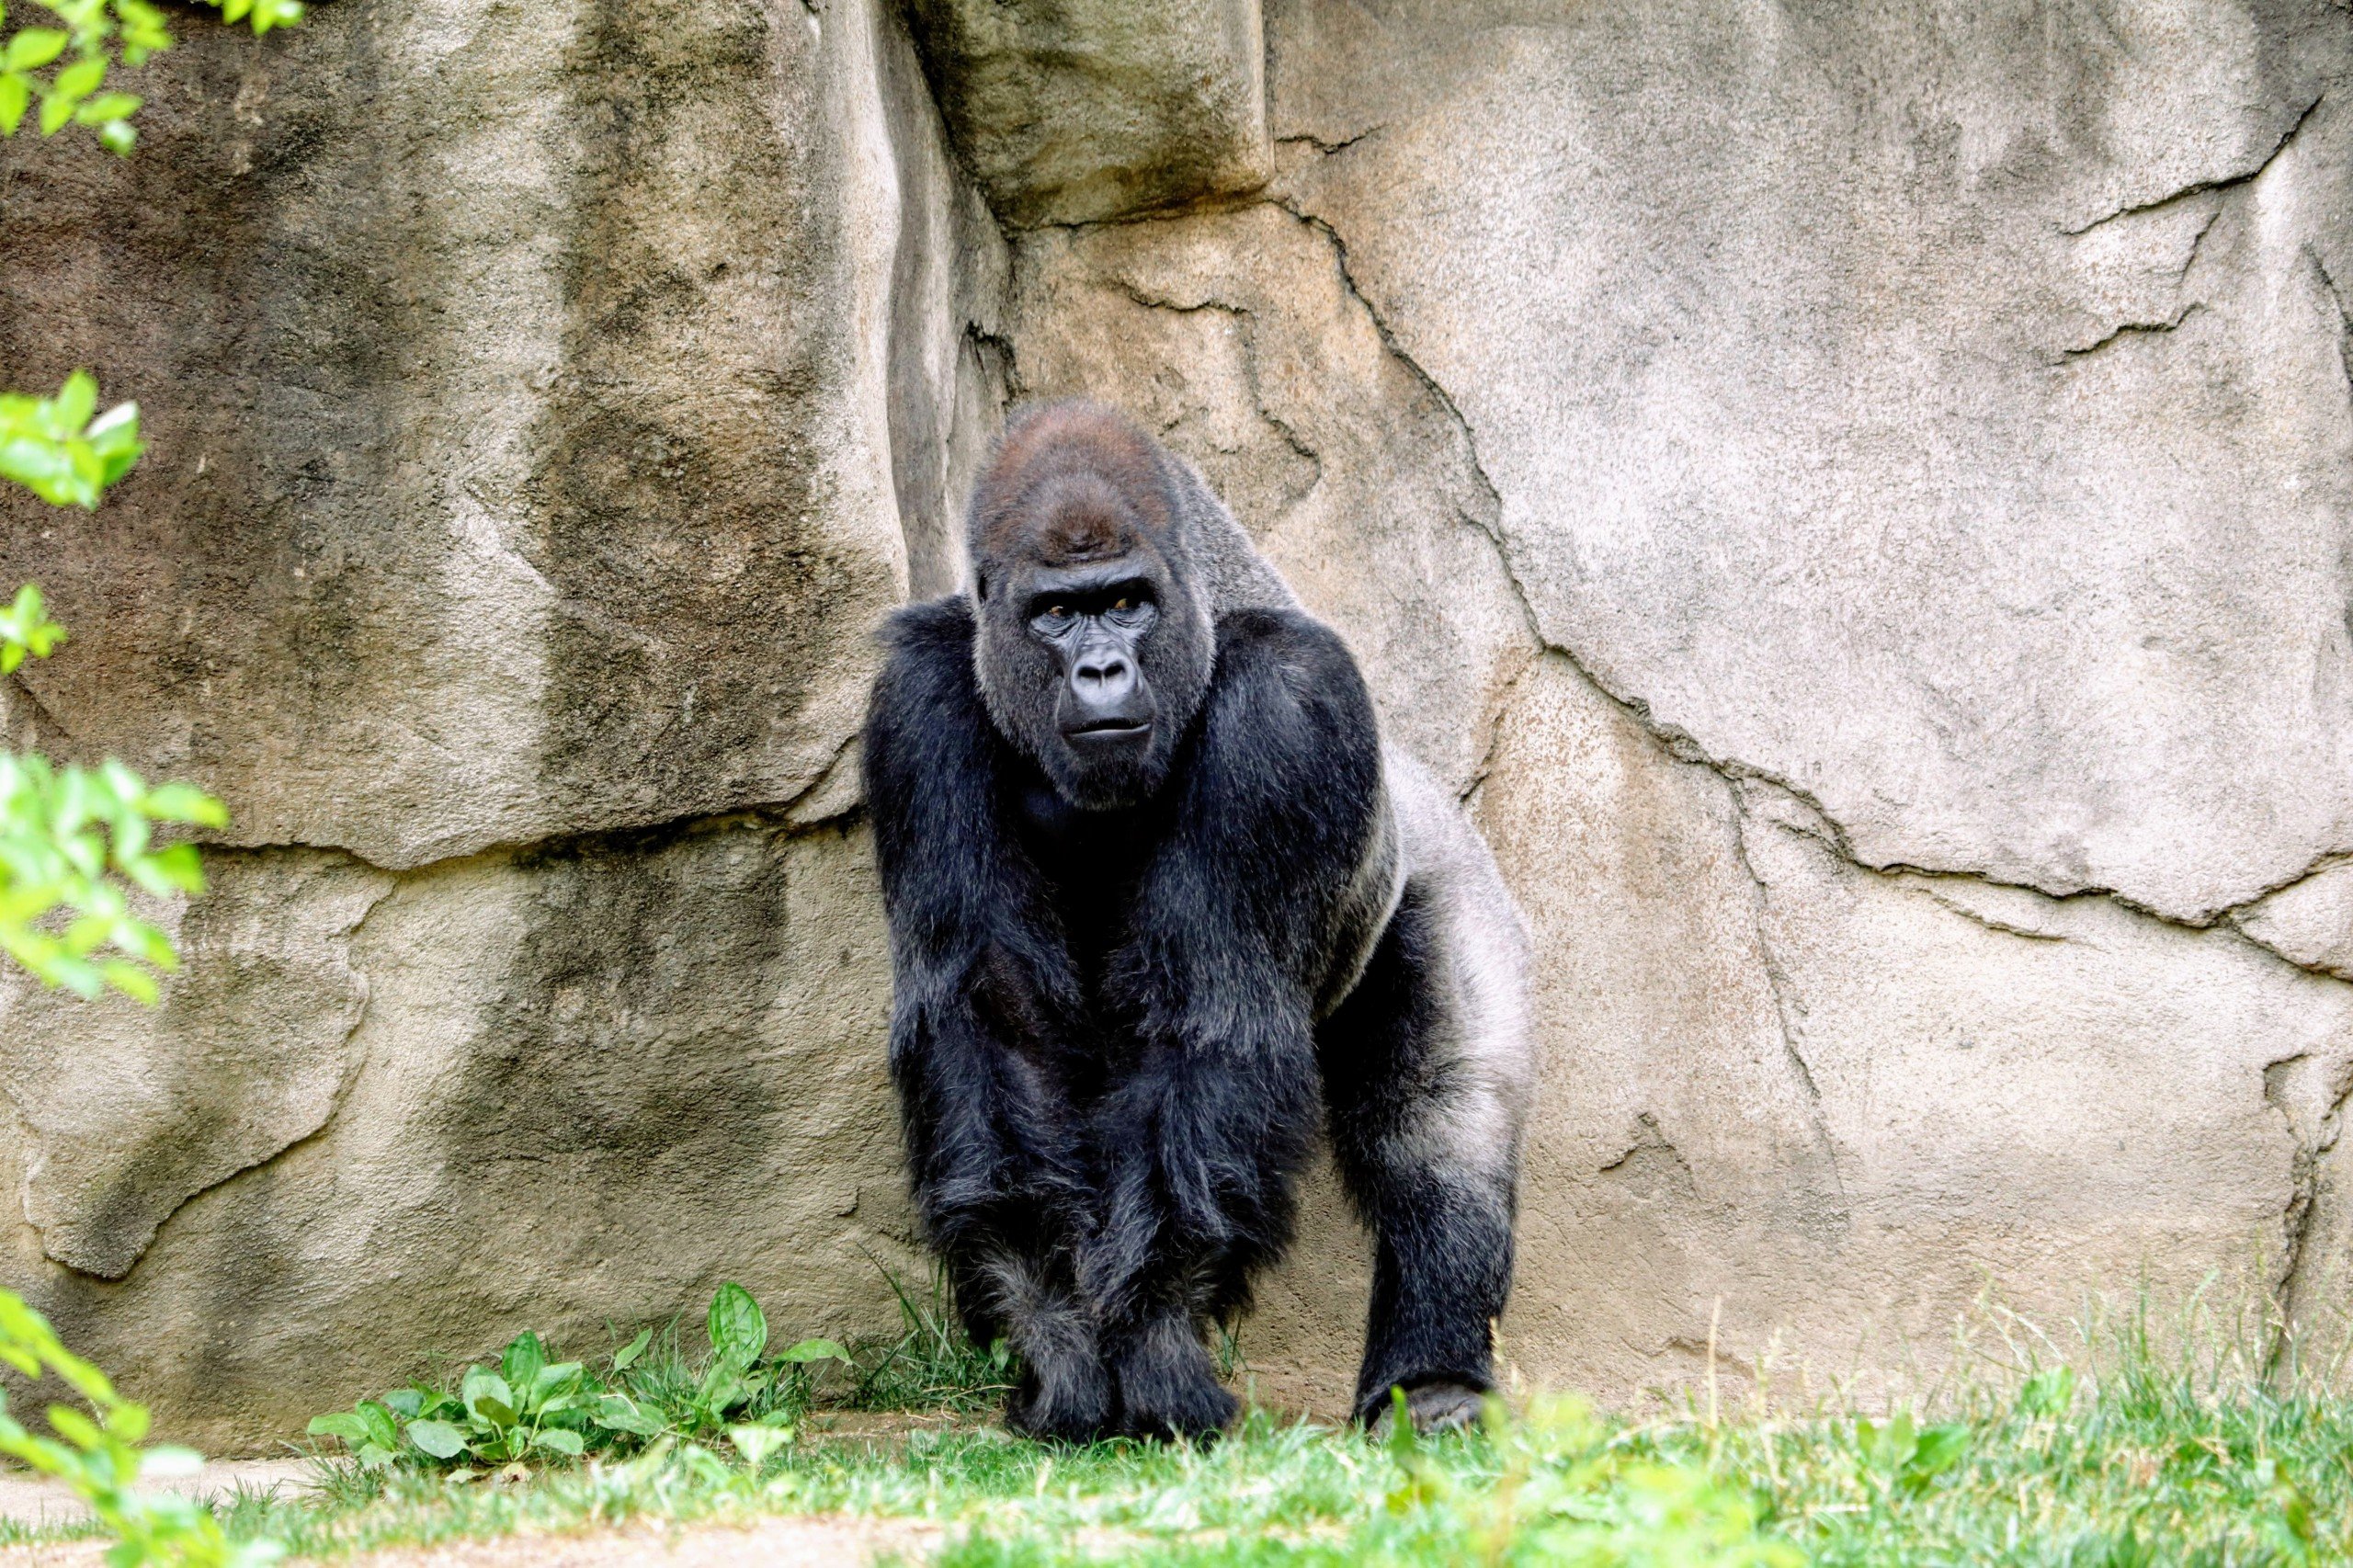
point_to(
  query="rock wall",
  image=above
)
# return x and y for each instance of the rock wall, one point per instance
(536, 395)
(1859, 499)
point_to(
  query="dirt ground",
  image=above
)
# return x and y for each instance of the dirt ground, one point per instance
(31, 1499)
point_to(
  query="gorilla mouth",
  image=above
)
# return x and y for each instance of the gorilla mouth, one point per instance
(1109, 729)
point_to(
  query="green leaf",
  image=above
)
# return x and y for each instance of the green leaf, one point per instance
(721, 1391)
(76, 400)
(551, 1382)
(55, 111)
(106, 107)
(1936, 1450)
(34, 48)
(131, 980)
(815, 1350)
(758, 1441)
(79, 80)
(2048, 1392)
(117, 137)
(487, 1396)
(556, 1440)
(739, 1331)
(16, 95)
(627, 1354)
(438, 1438)
(522, 1360)
(340, 1424)
(76, 1427)
(185, 803)
(616, 1414)
(406, 1403)
(374, 1456)
(383, 1429)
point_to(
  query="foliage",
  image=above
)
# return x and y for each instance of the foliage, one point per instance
(66, 836)
(61, 448)
(1560, 1492)
(79, 839)
(97, 1455)
(2135, 1449)
(931, 1363)
(72, 838)
(64, 68)
(529, 1408)
(26, 631)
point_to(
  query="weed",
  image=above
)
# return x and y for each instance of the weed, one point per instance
(527, 1408)
(931, 1363)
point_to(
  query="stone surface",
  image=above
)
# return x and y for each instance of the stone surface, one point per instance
(1946, 413)
(1856, 501)
(1068, 111)
(594, 1078)
(2310, 922)
(546, 403)
(526, 388)
(1843, 539)
(129, 1111)
(1235, 339)
(1818, 1110)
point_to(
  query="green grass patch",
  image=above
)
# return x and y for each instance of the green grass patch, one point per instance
(2129, 1451)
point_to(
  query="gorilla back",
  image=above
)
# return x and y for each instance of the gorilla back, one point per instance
(1160, 901)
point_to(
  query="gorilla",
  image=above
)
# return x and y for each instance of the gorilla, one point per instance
(1161, 904)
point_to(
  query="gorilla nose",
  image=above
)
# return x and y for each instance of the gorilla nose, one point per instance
(1103, 681)
(1107, 700)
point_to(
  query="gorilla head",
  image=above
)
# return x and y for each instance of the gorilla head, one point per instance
(1094, 644)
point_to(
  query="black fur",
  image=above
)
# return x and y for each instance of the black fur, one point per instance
(1443, 1246)
(1104, 1034)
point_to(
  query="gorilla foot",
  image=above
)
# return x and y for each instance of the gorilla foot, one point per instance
(1443, 1407)
(1166, 1386)
(1198, 1411)
(1067, 1401)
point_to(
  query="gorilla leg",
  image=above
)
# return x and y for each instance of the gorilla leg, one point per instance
(1420, 1074)
(1201, 1148)
(1065, 1390)
(1167, 1386)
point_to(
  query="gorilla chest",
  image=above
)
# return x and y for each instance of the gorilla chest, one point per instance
(1093, 863)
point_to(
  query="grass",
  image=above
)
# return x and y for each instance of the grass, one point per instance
(2129, 1447)
(929, 1364)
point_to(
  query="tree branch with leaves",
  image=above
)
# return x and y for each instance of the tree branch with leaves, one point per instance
(77, 844)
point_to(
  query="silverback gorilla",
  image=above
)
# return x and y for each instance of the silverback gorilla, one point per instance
(1160, 903)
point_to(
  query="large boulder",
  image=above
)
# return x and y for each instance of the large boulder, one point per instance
(1071, 111)
(1859, 505)
(546, 404)
(534, 395)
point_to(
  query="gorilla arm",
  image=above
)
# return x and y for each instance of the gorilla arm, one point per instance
(982, 994)
(1235, 935)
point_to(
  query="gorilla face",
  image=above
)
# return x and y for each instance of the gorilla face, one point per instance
(1095, 668)
(1093, 646)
